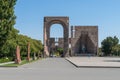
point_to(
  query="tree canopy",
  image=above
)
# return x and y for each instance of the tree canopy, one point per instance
(9, 36)
(109, 44)
(7, 20)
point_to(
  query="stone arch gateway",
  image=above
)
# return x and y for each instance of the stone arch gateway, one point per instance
(48, 21)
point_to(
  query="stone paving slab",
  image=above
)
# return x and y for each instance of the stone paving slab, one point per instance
(95, 62)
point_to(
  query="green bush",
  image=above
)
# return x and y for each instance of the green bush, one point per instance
(11, 58)
(4, 60)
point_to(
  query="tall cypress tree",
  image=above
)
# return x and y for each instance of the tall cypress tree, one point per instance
(7, 20)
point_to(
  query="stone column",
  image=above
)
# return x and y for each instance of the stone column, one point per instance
(28, 51)
(17, 58)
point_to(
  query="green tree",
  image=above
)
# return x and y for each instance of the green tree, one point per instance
(108, 44)
(60, 50)
(7, 20)
(8, 49)
(116, 50)
(35, 45)
(9, 37)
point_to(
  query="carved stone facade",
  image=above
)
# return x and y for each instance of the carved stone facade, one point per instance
(83, 41)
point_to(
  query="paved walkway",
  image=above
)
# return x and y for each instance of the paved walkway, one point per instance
(95, 62)
(57, 69)
(6, 63)
(50, 63)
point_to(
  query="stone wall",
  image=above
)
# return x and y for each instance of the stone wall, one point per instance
(61, 42)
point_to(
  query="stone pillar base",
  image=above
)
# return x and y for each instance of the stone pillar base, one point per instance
(28, 59)
(17, 61)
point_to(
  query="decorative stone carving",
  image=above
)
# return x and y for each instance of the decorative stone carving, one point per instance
(87, 36)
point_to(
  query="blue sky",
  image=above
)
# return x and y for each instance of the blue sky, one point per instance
(104, 13)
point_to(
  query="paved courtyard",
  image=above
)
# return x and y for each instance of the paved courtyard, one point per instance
(95, 62)
(57, 69)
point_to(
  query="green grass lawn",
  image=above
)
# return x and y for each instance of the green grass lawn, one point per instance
(16, 65)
